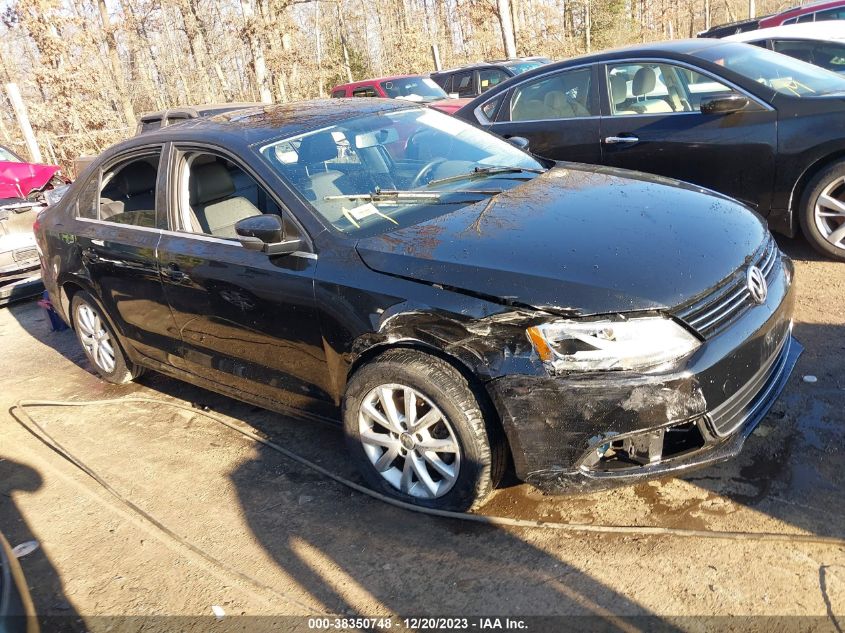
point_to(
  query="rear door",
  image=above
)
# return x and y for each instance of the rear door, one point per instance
(247, 319)
(120, 213)
(557, 112)
(654, 123)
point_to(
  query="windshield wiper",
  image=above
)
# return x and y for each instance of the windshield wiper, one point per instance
(480, 172)
(381, 195)
(388, 194)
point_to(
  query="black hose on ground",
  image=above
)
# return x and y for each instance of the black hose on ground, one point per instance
(623, 530)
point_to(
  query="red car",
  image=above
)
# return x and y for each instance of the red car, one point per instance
(815, 12)
(23, 191)
(416, 88)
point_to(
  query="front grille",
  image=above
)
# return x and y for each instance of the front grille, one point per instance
(713, 312)
(24, 254)
(753, 395)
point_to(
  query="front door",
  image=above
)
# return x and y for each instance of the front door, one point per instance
(558, 113)
(247, 319)
(119, 212)
(654, 124)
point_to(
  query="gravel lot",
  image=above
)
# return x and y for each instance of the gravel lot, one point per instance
(317, 547)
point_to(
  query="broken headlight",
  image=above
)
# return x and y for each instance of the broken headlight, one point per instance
(639, 343)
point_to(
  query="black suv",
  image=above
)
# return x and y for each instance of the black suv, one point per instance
(471, 81)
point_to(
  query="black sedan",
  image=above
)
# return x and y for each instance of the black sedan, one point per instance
(762, 127)
(459, 303)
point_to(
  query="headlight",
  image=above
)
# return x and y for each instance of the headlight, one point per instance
(639, 343)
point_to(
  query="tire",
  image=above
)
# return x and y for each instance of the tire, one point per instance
(99, 342)
(479, 459)
(819, 230)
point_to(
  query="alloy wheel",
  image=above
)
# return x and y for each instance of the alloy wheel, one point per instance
(830, 213)
(95, 337)
(409, 441)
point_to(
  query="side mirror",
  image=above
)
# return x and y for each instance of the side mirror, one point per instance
(519, 141)
(723, 104)
(265, 233)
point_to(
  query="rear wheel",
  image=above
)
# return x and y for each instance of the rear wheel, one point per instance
(823, 211)
(99, 341)
(416, 432)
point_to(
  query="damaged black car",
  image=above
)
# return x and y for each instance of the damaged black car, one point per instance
(462, 306)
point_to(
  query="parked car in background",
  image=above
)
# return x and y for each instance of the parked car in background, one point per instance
(819, 43)
(810, 12)
(163, 118)
(17, 614)
(415, 88)
(731, 28)
(457, 302)
(762, 127)
(474, 79)
(23, 187)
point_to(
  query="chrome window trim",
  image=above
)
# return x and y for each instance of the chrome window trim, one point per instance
(531, 79)
(187, 234)
(683, 64)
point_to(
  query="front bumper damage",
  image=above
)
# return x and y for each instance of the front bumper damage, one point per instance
(592, 431)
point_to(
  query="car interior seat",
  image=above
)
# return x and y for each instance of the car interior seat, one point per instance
(619, 94)
(645, 80)
(559, 106)
(215, 207)
(131, 190)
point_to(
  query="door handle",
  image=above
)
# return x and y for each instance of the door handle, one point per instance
(616, 140)
(172, 272)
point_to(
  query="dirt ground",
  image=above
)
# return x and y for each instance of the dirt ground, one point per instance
(311, 546)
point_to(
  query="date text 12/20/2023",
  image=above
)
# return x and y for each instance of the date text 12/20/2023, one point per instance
(417, 624)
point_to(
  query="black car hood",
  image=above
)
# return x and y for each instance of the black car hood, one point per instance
(578, 239)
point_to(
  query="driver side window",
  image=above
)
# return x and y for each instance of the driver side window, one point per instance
(214, 194)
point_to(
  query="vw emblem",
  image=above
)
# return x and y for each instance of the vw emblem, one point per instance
(757, 285)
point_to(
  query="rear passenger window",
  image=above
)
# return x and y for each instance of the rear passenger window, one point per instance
(215, 193)
(87, 203)
(367, 91)
(564, 95)
(128, 191)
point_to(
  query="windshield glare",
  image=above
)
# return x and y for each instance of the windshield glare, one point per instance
(371, 174)
(413, 89)
(782, 73)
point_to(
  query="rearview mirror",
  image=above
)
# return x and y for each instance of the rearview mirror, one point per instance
(519, 141)
(377, 137)
(265, 233)
(723, 104)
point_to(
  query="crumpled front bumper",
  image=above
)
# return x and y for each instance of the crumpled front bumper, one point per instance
(556, 424)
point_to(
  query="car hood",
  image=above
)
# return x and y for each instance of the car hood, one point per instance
(18, 180)
(578, 239)
(449, 106)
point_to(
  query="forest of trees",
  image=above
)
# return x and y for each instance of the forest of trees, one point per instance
(88, 68)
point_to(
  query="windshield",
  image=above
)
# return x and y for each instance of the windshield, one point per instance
(520, 67)
(413, 89)
(8, 156)
(782, 73)
(378, 172)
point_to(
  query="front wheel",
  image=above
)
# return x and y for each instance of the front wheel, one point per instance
(99, 341)
(823, 211)
(416, 432)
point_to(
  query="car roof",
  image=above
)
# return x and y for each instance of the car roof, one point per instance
(196, 110)
(810, 7)
(673, 47)
(827, 30)
(253, 125)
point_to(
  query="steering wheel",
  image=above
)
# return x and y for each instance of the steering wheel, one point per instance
(420, 178)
